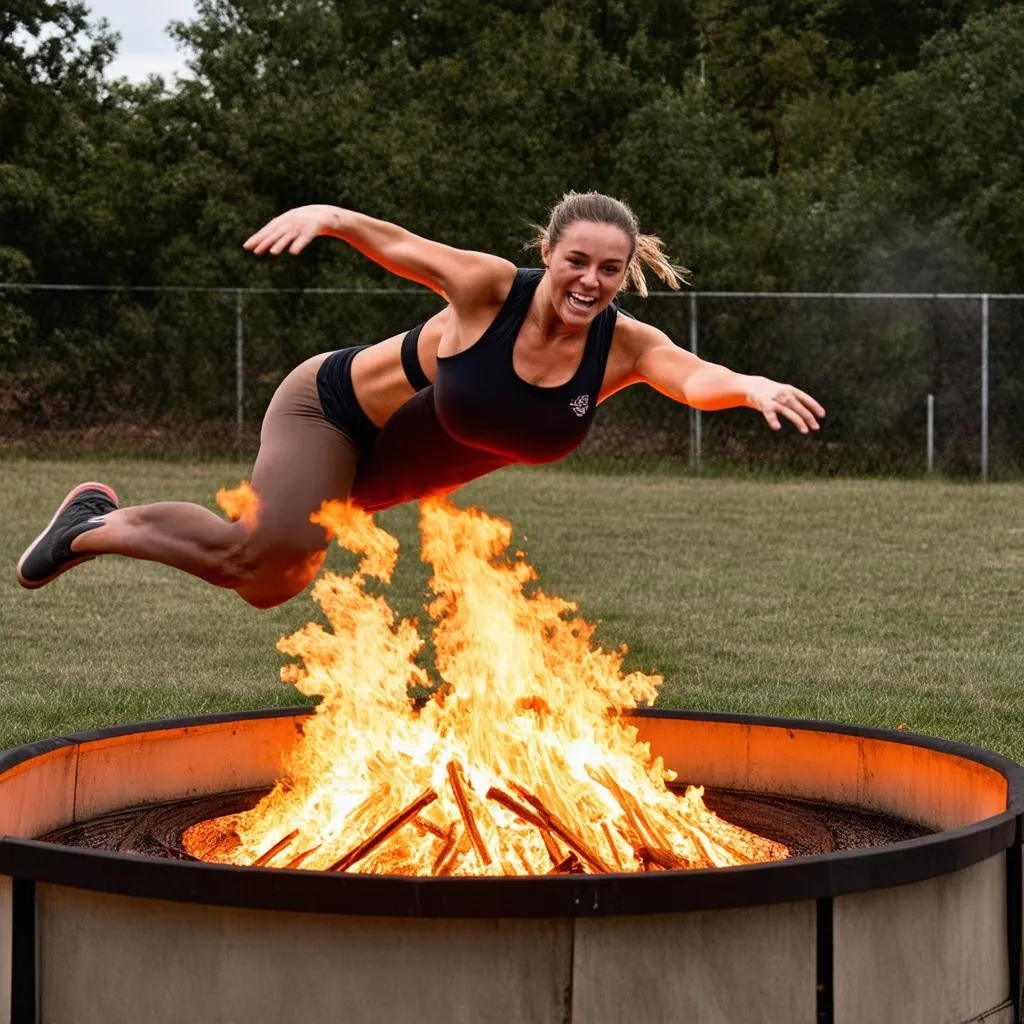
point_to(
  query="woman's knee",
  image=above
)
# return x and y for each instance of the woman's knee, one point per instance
(278, 578)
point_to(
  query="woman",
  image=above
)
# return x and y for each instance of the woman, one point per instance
(510, 371)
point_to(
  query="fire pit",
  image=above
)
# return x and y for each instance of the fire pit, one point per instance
(926, 928)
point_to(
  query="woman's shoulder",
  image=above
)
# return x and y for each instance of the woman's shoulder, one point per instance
(529, 273)
(486, 279)
(634, 334)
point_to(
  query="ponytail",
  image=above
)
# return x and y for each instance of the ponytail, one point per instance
(650, 252)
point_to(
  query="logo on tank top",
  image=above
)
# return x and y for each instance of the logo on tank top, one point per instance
(580, 405)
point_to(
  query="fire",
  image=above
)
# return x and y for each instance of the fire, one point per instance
(240, 502)
(521, 763)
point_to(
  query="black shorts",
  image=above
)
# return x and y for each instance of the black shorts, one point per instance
(338, 399)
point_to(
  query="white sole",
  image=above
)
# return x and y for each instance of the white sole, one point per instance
(69, 497)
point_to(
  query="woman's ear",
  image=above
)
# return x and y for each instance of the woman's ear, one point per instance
(545, 252)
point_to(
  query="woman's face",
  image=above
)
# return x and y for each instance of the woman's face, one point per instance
(586, 269)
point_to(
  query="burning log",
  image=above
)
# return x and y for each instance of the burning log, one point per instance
(517, 848)
(572, 865)
(656, 857)
(523, 812)
(518, 809)
(303, 857)
(426, 825)
(714, 858)
(386, 830)
(563, 832)
(265, 858)
(647, 862)
(650, 845)
(458, 789)
(612, 845)
(445, 854)
(455, 849)
(551, 845)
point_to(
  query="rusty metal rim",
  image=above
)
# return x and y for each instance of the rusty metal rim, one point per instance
(807, 878)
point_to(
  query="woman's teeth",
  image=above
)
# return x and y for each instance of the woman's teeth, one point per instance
(583, 301)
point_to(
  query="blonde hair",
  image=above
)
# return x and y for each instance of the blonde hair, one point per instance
(597, 208)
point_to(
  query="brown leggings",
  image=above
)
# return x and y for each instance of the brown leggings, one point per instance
(302, 462)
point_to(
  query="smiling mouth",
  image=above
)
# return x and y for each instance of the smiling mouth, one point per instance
(581, 302)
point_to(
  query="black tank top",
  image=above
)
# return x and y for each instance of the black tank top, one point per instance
(414, 374)
(413, 456)
(500, 418)
(483, 403)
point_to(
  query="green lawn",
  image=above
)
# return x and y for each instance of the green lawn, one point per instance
(876, 602)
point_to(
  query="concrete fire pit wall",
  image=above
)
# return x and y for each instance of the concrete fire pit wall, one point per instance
(927, 930)
(942, 940)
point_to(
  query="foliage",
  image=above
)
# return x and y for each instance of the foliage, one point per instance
(777, 144)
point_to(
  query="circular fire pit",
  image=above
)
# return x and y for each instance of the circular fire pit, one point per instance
(921, 929)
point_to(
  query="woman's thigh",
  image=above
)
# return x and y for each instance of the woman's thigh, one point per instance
(303, 461)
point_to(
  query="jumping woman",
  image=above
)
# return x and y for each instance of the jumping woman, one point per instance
(511, 371)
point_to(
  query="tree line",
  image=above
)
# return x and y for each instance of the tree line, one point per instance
(772, 144)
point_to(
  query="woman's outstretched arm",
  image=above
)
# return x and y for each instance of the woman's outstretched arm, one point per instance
(458, 275)
(686, 378)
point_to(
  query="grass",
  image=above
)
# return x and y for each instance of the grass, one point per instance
(877, 602)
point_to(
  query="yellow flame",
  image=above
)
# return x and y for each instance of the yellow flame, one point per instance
(355, 530)
(521, 762)
(241, 502)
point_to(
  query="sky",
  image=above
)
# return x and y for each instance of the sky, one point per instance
(145, 46)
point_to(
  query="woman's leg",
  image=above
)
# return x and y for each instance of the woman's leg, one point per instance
(302, 462)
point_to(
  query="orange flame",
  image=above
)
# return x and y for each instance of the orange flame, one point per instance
(242, 502)
(356, 531)
(521, 763)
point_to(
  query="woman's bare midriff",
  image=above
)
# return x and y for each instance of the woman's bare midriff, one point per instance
(378, 378)
(379, 381)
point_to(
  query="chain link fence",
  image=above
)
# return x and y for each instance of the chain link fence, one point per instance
(912, 383)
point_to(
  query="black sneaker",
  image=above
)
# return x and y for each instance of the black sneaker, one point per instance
(50, 553)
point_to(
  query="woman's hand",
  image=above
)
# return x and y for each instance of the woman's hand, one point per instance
(292, 230)
(773, 400)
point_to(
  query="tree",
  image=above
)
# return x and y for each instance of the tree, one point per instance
(949, 138)
(51, 95)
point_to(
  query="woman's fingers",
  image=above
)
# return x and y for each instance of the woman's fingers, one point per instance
(796, 419)
(304, 238)
(772, 413)
(284, 238)
(796, 406)
(806, 399)
(774, 400)
(799, 408)
(284, 232)
(262, 239)
(253, 242)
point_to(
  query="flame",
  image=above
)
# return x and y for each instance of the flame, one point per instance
(240, 503)
(521, 763)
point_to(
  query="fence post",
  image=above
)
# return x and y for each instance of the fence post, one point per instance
(984, 388)
(239, 367)
(930, 443)
(695, 424)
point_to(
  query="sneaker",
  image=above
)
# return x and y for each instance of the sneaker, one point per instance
(50, 553)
